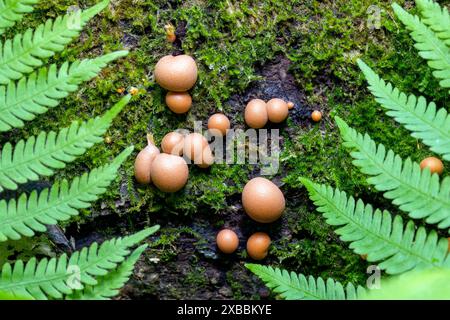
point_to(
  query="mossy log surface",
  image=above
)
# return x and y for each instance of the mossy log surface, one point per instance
(302, 51)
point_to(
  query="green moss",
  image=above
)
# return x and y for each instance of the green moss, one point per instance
(164, 245)
(241, 286)
(236, 286)
(195, 278)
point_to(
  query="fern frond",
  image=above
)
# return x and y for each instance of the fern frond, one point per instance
(430, 47)
(5, 296)
(436, 17)
(26, 51)
(425, 123)
(431, 284)
(415, 191)
(40, 155)
(12, 11)
(109, 285)
(375, 233)
(57, 277)
(62, 201)
(45, 88)
(292, 286)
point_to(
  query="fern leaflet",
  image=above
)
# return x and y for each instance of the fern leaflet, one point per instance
(430, 47)
(430, 284)
(61, 276)
(40, 155)
(415, 191)
(436, 17)
(292, 286)
(432, 127)
(44, 89)
(109, 285)
(12, 11)
(375, 233)
(26, 51)
(31, 213)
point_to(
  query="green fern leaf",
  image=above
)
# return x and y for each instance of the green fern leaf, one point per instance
(415, 191)
(376, 234)
(62, 201)
(429, 284)
(40, 155)
(44, 89)
(57, 277)
(109, 285)
(12, 11)
(26, 51)
(292, 286)
(432, 127)
(436, 17)
(430, 47)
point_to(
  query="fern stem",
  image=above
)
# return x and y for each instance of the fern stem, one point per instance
(49, 278)
(429, 45)
(109, 285)
(20, 56)
(286, 284)
(45, 88)
(436, 17)
(432, 127)
(294, 286)
(55, 204)
(12, 11)
(38, 156)
(329, 205)
(415, 191)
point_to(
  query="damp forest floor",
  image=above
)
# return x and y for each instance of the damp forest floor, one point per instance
(301, 51)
